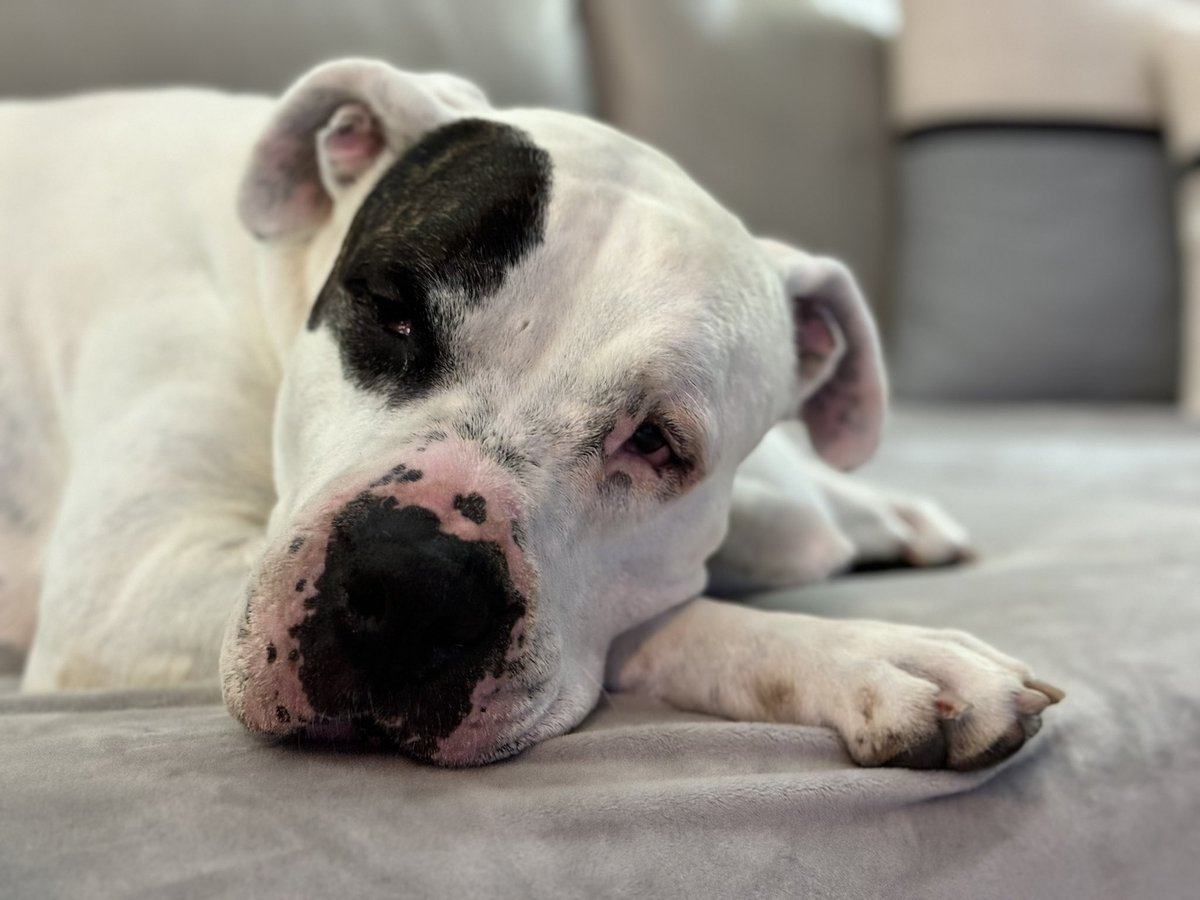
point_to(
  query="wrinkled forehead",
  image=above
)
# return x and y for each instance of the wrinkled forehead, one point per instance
(538, 237)
(557, 193)
(624, 215)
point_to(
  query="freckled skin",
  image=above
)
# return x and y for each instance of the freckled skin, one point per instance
(472, 506)
(368, 642)
(399, 474)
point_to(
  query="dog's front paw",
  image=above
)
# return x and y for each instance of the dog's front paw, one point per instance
(931, 699)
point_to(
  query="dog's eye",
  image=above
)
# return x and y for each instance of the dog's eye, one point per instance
(393, 316)
(649, 441)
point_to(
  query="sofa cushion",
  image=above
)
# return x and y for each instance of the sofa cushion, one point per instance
(521, 51)
(777, 108)
(1179, 61)
(1086, 525)
(1036, 253)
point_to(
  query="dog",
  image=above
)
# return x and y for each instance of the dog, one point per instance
(409, 416)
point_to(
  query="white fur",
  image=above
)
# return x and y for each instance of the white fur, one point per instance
(169, 421)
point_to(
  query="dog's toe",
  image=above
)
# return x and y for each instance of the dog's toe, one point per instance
(930, 753)
(1008, 743)
(943, 699)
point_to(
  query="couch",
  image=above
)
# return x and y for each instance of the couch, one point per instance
(1086, 517)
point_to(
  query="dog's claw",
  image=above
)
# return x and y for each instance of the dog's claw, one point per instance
(1055, 694)
(1031, 702)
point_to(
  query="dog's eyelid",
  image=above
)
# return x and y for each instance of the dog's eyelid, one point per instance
(672, 429)
(684, 443)
(361, 290)
(356, 286)
(384, 287)
(366, 293)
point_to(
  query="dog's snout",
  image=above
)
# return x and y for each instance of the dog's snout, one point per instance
(397, 605)
(403, 607)
(414, 598)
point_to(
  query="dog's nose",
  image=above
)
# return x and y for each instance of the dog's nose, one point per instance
(408, 600)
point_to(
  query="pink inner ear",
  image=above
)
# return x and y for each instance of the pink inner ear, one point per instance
(818, 341)
(815, 335)
(350, 143)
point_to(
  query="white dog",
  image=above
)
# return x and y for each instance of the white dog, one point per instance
(430, 427)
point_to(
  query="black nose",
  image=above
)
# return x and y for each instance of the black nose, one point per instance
(399, 604)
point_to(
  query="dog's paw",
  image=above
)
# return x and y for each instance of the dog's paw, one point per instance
(901, 530)
(933, 699)
(931, 537)
(776, 541)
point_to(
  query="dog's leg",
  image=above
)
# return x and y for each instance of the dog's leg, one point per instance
(887, 527)
(137, 587)
(794, 520)
(32, 458)
(159, 522)
(20, 574)
(897, 694)
(780, 534)
(23, 535)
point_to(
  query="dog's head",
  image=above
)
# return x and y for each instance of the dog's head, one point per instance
(523, 356)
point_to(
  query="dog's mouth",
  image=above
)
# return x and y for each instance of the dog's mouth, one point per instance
(505, 720)
(468, 711)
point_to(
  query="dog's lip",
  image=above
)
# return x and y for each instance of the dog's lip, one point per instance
(330, 730)
(364, 730)
(350, 732)
(526, 737)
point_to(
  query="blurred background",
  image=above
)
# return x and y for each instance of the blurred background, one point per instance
(1009, 178)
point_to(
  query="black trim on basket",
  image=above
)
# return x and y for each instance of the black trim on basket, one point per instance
(1019, 127)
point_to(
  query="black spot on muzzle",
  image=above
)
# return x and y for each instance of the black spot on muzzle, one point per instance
(473, 507)
(405, 621)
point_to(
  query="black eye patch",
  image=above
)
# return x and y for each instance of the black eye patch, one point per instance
(445, 224)
(387, 343)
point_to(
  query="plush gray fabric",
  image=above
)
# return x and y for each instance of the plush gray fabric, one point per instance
(521, 51)
(1035, 264)
(1088, 524)
(779, 109)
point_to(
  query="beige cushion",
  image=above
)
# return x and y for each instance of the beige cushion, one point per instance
(1082, 60)
(1036, 251)
(520, 51)
(777, 109)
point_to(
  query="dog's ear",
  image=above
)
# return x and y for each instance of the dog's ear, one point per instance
(331, 127)
(843, 389)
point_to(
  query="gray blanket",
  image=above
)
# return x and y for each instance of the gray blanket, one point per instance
(1090, 528)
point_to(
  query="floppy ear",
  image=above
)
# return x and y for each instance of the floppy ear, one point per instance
(331, 127)
(842, 383)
